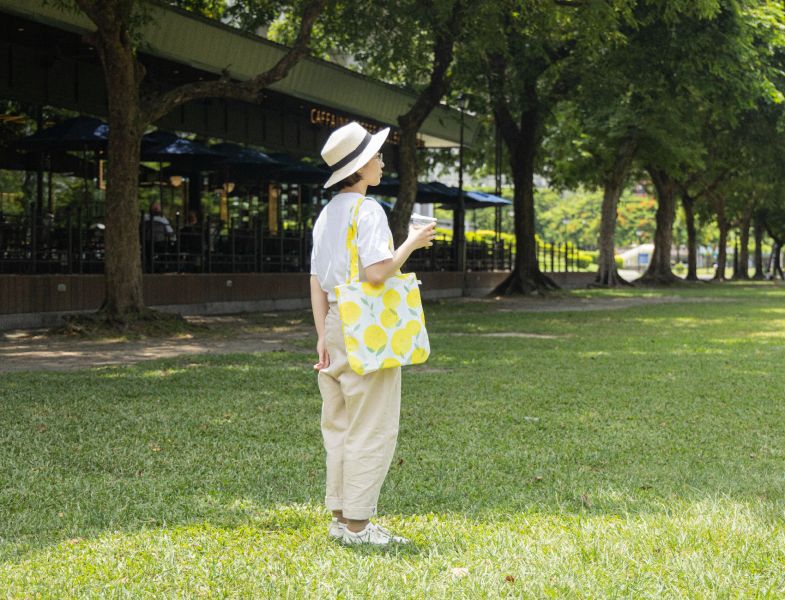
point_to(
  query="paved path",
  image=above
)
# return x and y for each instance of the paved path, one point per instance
(27, 350)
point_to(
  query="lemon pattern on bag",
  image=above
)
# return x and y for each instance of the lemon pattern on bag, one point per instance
(383, 325)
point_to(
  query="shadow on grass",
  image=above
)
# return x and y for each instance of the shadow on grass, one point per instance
(654, 411)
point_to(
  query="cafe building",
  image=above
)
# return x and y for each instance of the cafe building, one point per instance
(228, 190)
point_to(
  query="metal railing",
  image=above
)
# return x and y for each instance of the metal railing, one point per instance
(75, 245)
(558, 257)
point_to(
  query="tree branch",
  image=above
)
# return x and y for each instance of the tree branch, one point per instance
(107, 15)
(93, 12)
(443, 48)
(157, 106)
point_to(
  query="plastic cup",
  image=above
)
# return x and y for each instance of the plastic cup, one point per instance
(421, 220)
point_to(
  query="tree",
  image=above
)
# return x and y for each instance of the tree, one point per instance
(525, 55)
(595, 143)
(133, 107)
(408, 43)
(721, 68)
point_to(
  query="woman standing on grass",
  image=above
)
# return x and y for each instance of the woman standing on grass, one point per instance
(360, 413)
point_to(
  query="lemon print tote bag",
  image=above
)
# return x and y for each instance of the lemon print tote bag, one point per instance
(383, 325)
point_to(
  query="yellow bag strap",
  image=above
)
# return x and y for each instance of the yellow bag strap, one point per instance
(351, 244)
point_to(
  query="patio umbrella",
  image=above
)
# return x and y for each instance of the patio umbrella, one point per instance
(390, 186)
(157, 138)
(245, 164)
(294, 171)
(58, 163)
(77, 133)
(442, 193)
(181, 152)
(483, 200)
(448, 196)
(83, 134)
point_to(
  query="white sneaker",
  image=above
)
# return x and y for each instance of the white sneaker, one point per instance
(336, 529)
(373, 534)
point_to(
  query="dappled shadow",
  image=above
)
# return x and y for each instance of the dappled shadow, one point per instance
(626, 415)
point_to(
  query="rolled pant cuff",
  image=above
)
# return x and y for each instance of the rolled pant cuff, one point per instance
(359, 513)
(333, 503)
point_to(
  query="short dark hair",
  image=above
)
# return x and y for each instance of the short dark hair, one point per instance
(347, 181)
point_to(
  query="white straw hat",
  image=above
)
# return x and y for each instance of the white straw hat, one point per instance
(349, 148)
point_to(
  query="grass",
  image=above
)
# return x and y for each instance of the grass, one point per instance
(632, 453)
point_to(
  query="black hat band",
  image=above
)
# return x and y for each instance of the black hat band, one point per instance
(353, 154)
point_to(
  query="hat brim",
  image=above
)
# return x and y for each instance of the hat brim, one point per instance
(377, 139)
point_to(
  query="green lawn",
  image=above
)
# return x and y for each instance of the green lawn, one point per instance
(624, 453)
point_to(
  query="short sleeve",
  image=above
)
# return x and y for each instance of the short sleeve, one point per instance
(374, 239)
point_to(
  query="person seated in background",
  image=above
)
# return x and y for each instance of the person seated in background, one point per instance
(162, 230)
(191, 234)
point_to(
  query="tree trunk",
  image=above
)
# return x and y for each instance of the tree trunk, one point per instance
(526, 276)
(407, 192)
(607, 273)
(659, 270)
(758, 228)
(742, 273)
(412, 120)
(722, 249)
(123, 270)
(776, 269)
(688, 204)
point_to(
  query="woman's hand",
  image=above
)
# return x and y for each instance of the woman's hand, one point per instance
(421, 237)
(324, 357)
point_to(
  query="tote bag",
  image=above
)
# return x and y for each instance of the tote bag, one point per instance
(383, 325)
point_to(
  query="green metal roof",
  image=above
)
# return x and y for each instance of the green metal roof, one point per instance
(204, 44)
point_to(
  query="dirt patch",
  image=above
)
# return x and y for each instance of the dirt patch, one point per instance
(28, 350)
(573, 304)
(508, 334)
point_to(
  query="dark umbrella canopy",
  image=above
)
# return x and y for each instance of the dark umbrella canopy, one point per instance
(157, 138)
(294, 171)
(77, 133)
(58, 163)
(181, 152)
(443, 193)
(448, 196)
(483, 200)
(390, 186)
(237, 155)
(245, 164)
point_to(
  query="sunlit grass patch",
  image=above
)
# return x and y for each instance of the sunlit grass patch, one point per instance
(629, 453)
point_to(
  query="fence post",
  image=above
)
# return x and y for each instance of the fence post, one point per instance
(255, 225)
(80, 239)
(208, 247)
(231, 235)
(70, 265)
(179, 235)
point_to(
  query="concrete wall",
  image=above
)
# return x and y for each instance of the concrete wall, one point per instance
(41, 300)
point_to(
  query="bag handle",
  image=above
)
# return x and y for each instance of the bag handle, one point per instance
(351, 244)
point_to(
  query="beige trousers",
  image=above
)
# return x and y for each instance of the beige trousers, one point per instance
(360, 415)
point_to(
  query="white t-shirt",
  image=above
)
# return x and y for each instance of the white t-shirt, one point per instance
(330, 256)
